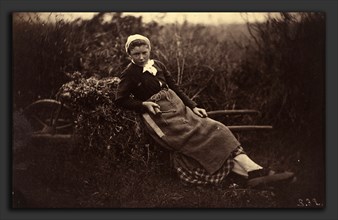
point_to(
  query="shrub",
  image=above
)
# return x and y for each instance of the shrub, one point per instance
(283, 71)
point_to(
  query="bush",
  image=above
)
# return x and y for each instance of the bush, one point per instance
(283, 71)
(39, 55)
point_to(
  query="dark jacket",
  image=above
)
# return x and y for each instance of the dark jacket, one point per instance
(143, 85)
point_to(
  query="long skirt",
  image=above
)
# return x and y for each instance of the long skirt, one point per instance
(203, 148)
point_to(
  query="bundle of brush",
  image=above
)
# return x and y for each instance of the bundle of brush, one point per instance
(103, 127)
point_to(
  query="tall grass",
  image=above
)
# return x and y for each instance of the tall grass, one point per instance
(283, 71)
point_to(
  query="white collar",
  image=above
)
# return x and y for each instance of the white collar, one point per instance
(149, 67)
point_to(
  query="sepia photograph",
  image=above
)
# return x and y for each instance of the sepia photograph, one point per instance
(168, 110)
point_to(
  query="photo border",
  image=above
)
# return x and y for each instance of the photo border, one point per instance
(327, 6)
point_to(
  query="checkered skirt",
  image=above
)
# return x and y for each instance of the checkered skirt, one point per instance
(191, 172)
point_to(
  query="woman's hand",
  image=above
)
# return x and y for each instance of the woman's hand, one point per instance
(152, 107)
(200, 112)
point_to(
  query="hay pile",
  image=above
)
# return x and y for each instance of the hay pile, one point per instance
(104, 128)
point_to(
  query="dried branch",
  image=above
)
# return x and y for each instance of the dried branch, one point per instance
(206, 84)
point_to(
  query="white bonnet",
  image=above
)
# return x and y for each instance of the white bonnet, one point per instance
(131, 38)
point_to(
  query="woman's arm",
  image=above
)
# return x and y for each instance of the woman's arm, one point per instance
(123, 95)
(131, 104)
(124, 99)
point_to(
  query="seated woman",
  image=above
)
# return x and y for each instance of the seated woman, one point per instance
(205, 150)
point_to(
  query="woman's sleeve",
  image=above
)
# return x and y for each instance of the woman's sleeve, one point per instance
(172, 85)
(123, 95)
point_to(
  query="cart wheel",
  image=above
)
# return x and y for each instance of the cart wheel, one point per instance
(48, 116)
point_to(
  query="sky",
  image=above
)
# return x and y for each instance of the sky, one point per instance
(172, 17)
(208, 18)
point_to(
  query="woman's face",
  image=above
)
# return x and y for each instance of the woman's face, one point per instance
(140, 54)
